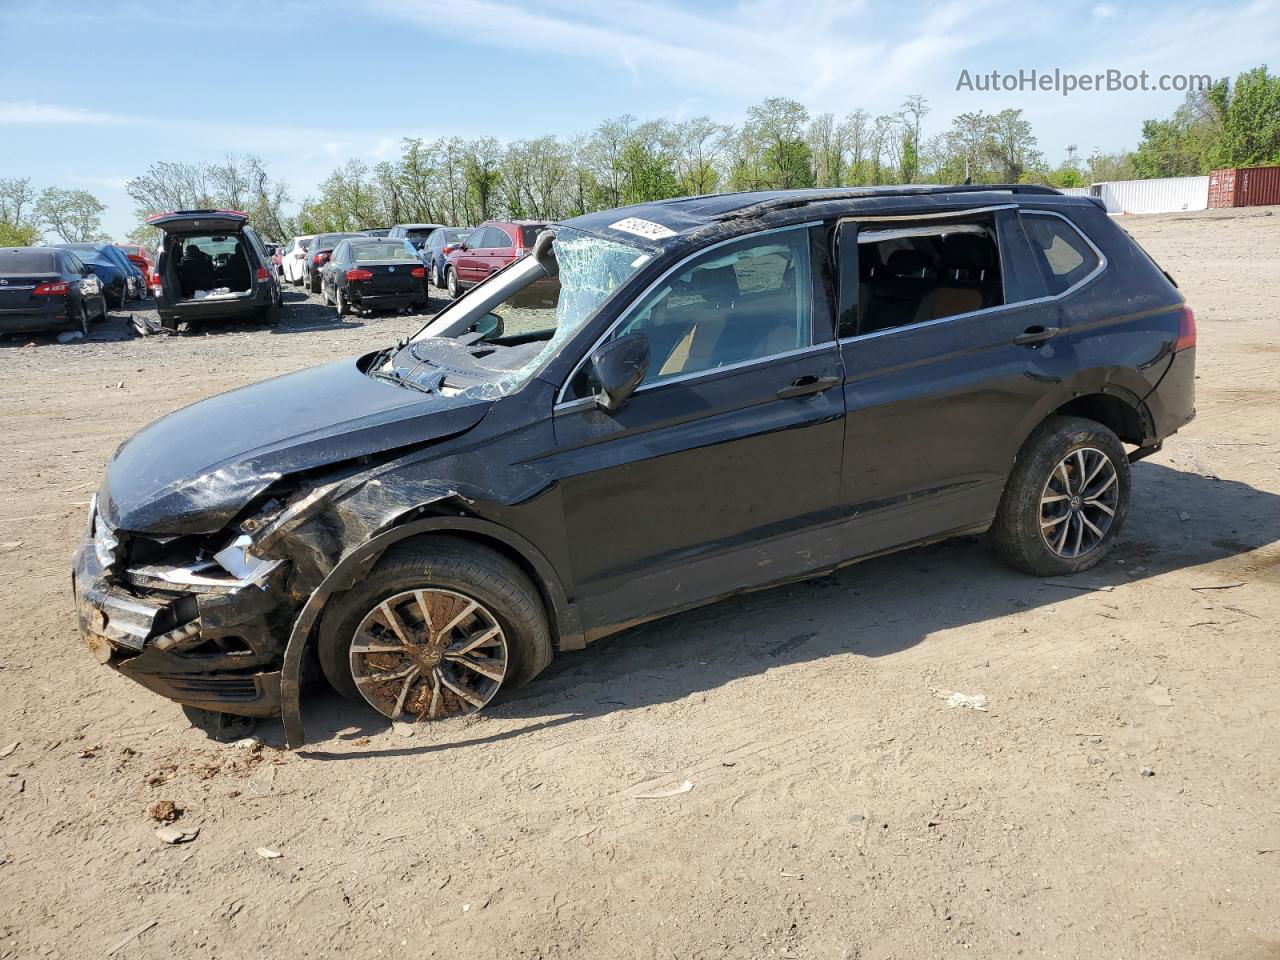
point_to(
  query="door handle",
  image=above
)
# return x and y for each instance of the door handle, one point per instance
(1037, 334)
(806, 386)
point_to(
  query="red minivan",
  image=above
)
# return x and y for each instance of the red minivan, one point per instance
(487, 249)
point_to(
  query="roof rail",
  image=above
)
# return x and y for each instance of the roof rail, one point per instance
(802, 198)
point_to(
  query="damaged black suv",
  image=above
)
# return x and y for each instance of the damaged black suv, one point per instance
(659, 407)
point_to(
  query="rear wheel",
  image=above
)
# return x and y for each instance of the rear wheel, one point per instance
(451, 281)
(344, 308)
(102, 311)
(1066, 500)
(324, 293)
(435, 630)
(437, 281)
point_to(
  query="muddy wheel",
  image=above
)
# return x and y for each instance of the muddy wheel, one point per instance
(1066, 499)
(435, 630)
(451, 281)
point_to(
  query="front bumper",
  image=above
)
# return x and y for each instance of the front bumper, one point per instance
(212, 648)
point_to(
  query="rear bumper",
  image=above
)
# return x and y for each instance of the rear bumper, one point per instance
(30, 322)
(125, 630)
(1173, 402)
(385, 301)
(214, 309)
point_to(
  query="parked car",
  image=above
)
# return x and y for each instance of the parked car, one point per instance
(213, 267)
(136, 284)
(141, 258)
(730, 392)
(369, 273)
(47, 288)
(116, 278)
(292, 267)
(318, 253)
(436, 248)
(415, 233)
(377, 231)
(488, 248)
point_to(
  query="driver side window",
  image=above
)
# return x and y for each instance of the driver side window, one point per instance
(743, 301)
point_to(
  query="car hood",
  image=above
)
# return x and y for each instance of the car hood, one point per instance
(192, 471)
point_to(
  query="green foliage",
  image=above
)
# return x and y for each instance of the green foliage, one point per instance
(74, 215)
(13, 235)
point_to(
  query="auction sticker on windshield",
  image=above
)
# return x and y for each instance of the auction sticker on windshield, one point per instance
(642, 228)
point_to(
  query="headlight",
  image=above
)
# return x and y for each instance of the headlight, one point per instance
(106, 545)
(237, 561)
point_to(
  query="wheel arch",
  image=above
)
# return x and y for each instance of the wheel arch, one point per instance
(1113, 397)
(567, 633)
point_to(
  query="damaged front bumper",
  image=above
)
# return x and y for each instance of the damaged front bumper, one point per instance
(205, 641)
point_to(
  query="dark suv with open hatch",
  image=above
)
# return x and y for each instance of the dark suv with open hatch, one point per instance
(722, 393)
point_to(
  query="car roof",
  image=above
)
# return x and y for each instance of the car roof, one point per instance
(418, 226)
(666, 224)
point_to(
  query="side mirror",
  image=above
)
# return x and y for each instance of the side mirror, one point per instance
(489, 326)
(620, 366)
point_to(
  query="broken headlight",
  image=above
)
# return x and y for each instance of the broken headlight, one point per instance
(106, 545)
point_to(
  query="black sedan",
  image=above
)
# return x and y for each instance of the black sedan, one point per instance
(45, 288)
(369, 273)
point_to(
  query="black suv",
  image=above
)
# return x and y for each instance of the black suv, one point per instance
(719, 394)
(213, 266)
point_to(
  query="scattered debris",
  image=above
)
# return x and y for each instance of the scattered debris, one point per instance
(684, 786)
(1072, 585)
(1159, 696)
(1224, 585)
(266, 853)
(248, 743)
(147, 326)
(10, 545)
(8, 749)
(69, 335)
(403, 729)
(166, 811)
(792, 876)
(856, 818)
(1184, 517)
(131, 936)
(1147, 772)
(178, 834)
(972, 701)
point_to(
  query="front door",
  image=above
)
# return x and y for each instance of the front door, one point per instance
(722, 472)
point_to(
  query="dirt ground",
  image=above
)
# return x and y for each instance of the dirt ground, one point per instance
(840, 808)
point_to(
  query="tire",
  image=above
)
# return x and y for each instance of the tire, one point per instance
(439, 565)
(84, 319)
(1042, 497)
(324, 294)
(102, 314)
(314, 284)
(451, 282)
(437, 281)
(269, 315)
(344, 308)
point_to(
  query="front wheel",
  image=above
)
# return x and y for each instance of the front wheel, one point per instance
(435, 630)
(1066, 500)
(83, 319)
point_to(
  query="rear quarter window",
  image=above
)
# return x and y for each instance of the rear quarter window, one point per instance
(1064, 255)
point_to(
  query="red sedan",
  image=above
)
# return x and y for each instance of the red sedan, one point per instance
(140, 257)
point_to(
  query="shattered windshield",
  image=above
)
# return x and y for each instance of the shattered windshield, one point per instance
(492, 340)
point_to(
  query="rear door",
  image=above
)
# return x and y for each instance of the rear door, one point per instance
(942, 365)
(500, 250)
(199, 221)
(722, 471)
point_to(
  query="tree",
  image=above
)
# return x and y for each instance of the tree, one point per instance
(1250, 120)
(18, 225)
(914, 109)
(1011, 145)
(74, 215)
(776, 131)
(827, 147)
(855, 135)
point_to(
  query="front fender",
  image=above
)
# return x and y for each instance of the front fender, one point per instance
(356, 564)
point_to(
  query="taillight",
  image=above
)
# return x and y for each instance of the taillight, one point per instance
(447, 249)
(358, 274)
(262, 275)
(1186, 330)
(319, 258)
(418, 272)
(52, 290)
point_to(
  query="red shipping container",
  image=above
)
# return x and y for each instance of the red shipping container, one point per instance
(1244, 187)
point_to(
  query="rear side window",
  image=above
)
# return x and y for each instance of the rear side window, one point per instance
(744, 301)
(496, 238)
(917, 273)
(27, 261)
(1065, 257)
(529, 234)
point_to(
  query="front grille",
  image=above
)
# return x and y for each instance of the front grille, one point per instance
(243, 690)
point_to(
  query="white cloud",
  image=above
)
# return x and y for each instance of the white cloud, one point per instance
(1105, 11)
(27, 112)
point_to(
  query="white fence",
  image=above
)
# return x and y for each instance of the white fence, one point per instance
(1166, 195)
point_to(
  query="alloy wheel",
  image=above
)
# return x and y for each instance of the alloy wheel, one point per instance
(429, 653)
(1078, 502)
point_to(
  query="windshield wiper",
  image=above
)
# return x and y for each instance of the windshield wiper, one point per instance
(403, 380)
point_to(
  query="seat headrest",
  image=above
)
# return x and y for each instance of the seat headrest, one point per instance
(717, 284)
(904, 263)
(966, 256)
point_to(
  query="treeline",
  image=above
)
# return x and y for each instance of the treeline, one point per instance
(72, 216)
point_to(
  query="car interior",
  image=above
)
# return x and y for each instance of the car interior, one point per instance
(915, 274)
(209, 262)
(746, 304)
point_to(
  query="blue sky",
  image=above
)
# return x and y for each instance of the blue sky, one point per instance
(90, 94)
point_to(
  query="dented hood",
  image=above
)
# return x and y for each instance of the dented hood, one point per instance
(195, 469)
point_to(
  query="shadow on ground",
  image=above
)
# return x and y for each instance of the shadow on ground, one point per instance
(884, 606)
